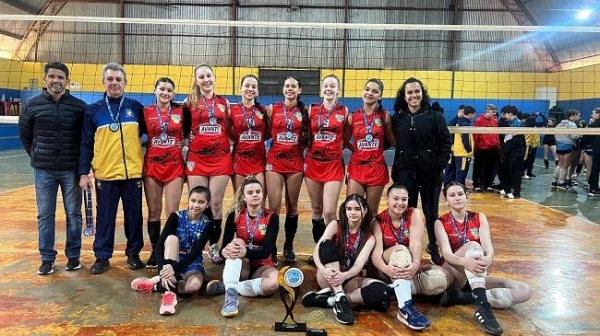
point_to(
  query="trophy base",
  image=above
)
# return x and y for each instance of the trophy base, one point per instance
(290, 327)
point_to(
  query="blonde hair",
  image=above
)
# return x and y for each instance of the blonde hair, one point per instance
(195, 94)
(238, 199)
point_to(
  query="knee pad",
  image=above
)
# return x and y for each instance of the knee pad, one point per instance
(328, 252)
(433, 281)
(400, 258)
(500, 298)
(376, 296)
(474, 253)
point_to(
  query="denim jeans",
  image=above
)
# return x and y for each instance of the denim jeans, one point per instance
(46, 189)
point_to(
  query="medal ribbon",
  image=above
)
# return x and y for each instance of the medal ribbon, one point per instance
(115, 119)
(463, 236)
(369, 127)
(252, 230)
(350, 253)
(288, 120)
(194, 227)
(319, 123)
(211, 112)
(400, 234)
(164, 126)
(249, 119)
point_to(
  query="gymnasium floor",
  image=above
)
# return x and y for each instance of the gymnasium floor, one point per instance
(549, 240)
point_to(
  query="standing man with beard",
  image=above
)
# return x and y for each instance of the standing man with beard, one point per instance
(111, 147)
(423, 145)
(50, 131)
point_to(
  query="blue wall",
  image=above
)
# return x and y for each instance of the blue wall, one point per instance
(585, 106)
(10, 94)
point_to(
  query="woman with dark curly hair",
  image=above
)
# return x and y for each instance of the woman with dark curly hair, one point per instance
(423, 145)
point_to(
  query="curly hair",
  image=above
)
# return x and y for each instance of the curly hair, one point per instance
(400, 103)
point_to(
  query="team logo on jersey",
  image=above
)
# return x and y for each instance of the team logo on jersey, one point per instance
(378, 122)
(282, 138)
(475, 233)
(299, 116)
(209, 129)
(260, 115)
(269, 167)
(190, 165)
(263, 229)
(252, 137)
(168, 142)
(339, 118)
(175, 118)
(128, 113)
(365, 145)
(325, 137)
(222, 107)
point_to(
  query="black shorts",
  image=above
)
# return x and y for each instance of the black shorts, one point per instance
(549, 140)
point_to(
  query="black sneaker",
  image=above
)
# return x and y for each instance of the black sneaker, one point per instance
(433, 251)
(532, 175)
(594, 193)
(311, 261)
(134, 262)
(486, 320)
(546, 163)
(317, 299)
(46, 268)
(274, 260)
(454, 296)
(288, 253)
(342, 311)
(73, 264)
(151, 263)
(99, 266)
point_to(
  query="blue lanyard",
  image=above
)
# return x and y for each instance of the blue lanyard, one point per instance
(193, 228)
(399, 235)
(252, 230)
(369, 127)
(319, 123)
(463, 236)
(350, 253)
(249, 119)
(114, 118)
(164, 126)
(211, 112)
(288, 120)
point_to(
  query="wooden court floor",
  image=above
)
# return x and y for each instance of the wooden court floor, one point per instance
(556, 253)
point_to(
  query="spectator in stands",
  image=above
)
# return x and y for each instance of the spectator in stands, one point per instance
(50, 131)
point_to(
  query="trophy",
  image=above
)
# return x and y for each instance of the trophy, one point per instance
(290, 280)
(90, 229)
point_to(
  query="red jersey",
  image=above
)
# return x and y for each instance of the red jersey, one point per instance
(327, 130)
(368, 152)
(248, 126)
(209, 139)
(163, 148)
(350, 249)
(256, 233)
(285, 146)
(392, 236)
(456, 234)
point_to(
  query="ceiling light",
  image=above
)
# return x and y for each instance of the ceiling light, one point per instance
(584, 14)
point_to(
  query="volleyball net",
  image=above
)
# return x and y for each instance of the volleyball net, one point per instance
(534, 68)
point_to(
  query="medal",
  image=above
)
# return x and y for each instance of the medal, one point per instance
(350, 252)
(321, 122)
(211, 112)
(369, 136)
(249, 117)
(463, 236)
(164, 126)
(288, 122)
(250, 230)
(348, 262)
(114, 125)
